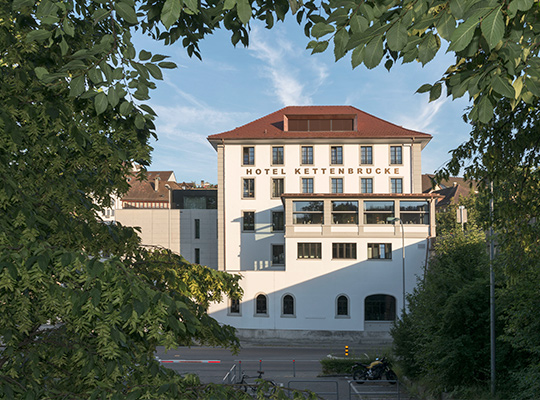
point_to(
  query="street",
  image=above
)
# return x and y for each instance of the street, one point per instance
(297, 367)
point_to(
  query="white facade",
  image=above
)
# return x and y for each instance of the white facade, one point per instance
(317, 269)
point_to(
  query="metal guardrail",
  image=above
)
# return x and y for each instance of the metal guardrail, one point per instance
(318, 382)
(373, 393)
(231, 377)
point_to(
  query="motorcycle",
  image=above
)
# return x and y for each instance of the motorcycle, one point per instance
(373, 371)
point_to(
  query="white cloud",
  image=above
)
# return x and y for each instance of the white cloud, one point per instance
(281, 64)
(424, 119)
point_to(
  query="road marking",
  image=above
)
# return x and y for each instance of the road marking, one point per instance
(190, 361)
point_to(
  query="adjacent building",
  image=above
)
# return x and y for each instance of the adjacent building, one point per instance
(321, 210)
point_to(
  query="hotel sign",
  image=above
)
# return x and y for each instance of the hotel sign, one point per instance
(325, 171)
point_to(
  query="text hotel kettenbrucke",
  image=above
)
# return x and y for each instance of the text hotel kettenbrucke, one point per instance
(324, 171)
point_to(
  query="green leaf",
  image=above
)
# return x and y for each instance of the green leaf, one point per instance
(397, 36)
(493, 27)
(340, 43)
(64, 46)
(321, 29)
(76, 86)
(100, 103)
(243, 9)
(38, 35)
(167, 64)
(139, 121)
(171, 12)
(68, 27)
(320, 47)
(192, 5)
(40, 72)
(463, 35)
(126, 11)
(18, 4)
(158, 57)
(424, 88)
(359, 24)
(100, 14)
(522, 5)
(428, 48)
(533, 85)
(459, 7)
(485, 110)
(445, 25)
(229, 4)
(374, 53)
(435, 92)
(154, 71)
(125, 108)
(503, 87)
(144, 55)
(357, 57)
(112, 97)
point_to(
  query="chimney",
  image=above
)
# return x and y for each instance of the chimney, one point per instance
(156, 183)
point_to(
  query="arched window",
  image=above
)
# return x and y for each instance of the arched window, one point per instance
(261, 305)
(342, 306)
(287, 305)
(380, 307)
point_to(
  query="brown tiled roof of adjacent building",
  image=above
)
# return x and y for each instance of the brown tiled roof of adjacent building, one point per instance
(272, 126)
(430, 184)
(146, 190)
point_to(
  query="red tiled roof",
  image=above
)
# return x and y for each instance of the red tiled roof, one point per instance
(271, 126)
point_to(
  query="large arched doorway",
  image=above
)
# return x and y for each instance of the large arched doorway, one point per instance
(379, 312)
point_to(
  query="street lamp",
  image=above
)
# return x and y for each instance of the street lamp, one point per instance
(393, 220)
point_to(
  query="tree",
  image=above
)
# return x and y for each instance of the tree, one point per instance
(506, 153)
(494, 42)
(443, 340)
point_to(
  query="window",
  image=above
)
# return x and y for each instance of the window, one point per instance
(337, 185)
(308, 212)
(342, 306)
(234, 307)
(377, 212)
(287, 305)
(197, 256)
(278, 254)
(336, 155)
(277, 187)
(197, 229)
(261, 305)
(344, 250)
(309, 250)
(249, 155)
(249, 188)
(366, 185)
(277, 155)
(278, 221)
(380, 307)
(320, 124)
(379, 251)
(414, 212)
(248, 221)
(345, 212)
(396, 155)
(307, 185)
(307, 155)
(396, 185)
(366, 155)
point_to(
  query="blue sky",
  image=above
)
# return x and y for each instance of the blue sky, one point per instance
(233, 86)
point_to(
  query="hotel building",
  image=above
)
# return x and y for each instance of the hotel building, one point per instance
(317, 205)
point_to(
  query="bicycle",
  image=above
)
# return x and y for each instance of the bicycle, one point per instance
(266, 387)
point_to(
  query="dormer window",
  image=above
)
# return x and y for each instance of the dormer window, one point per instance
(316, 123)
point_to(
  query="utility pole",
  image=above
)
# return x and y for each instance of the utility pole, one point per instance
(492, 291)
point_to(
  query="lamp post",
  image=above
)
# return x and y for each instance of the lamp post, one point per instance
(393, 220)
